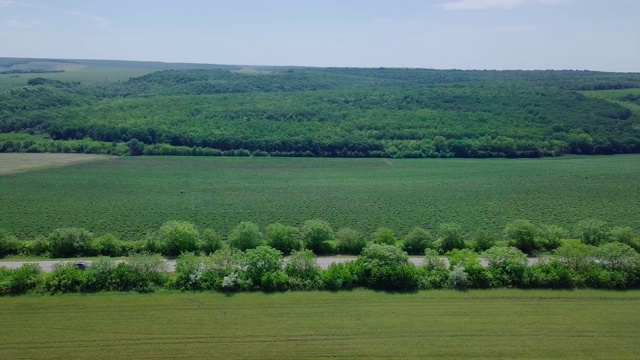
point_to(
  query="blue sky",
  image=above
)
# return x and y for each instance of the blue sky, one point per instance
(444, 34)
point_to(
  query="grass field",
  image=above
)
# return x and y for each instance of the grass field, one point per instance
(85, 76)
(130, 196)
(616, 97)
(505, 324)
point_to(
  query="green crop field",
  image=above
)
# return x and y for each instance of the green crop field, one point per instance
(504, 324)
(131, 196)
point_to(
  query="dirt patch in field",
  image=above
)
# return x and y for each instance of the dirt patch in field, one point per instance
(15, 163)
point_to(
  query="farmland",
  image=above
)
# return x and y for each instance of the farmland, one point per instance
(445, 324)
(131, 196)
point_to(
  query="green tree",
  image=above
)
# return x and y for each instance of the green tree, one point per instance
(593, 232)
(386, 267)
(107, 245)
(623, 234)
(577, 256)
(617, 256)
(522, 235)
(210, 242)
(506, 266)
(450, 237)
(136, 147)
(350, 241)
(483, 241)
(551, 236)
(469, 259)
(282, 237)
(315, 233)
(384, 236)
(417, 241)
(69, 242)
(8, 244)
(246, 235)
(459, 278)
(260, 261)
(177, 237)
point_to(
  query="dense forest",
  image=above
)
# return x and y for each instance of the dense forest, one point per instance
(332, 112)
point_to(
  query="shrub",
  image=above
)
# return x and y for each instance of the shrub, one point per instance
(245, 235)
(342, 276)
(617, 256)
(22, 280)
(433, 274)
(69, 242)
(623, 234)
(315, 233)
(417, 241)
(459, 278)
(40, 247)
(506, 266)
(350, 242)
(227, 263)
(282, 237)
(148, 272)
(522, 235)
(102, 270)
(576, 256)
(553, 275)
(483, 241)
(478, 277)
(107, 245)
(177, 237)
(261, 260)
(450, 237)
(189, 269)
(551, 237)
(210, 242)
(68, 278)
(593, 232)
(384, 236)
(276, 280)
(385, 267)
(8, 245)
(302, 265)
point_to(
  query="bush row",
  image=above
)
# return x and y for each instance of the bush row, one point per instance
(378, 267)
(176, 237)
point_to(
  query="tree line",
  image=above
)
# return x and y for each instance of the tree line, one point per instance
(176, 237)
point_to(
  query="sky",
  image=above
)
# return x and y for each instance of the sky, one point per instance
(442, 34)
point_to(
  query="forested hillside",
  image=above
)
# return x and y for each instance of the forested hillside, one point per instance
(344, 112)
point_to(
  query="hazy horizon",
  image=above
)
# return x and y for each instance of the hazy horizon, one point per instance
(441, 34)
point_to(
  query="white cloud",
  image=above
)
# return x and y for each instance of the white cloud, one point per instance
(99, 20)
(17, 24)
(491, 4)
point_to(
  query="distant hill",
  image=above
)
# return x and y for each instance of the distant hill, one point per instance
(123, 107)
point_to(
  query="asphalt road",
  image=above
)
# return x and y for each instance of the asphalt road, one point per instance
(324, 262)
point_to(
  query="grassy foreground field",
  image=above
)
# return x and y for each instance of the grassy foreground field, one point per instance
(505, 324)
(130, 196)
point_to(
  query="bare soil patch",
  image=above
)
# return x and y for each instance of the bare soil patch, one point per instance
(11, 163)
